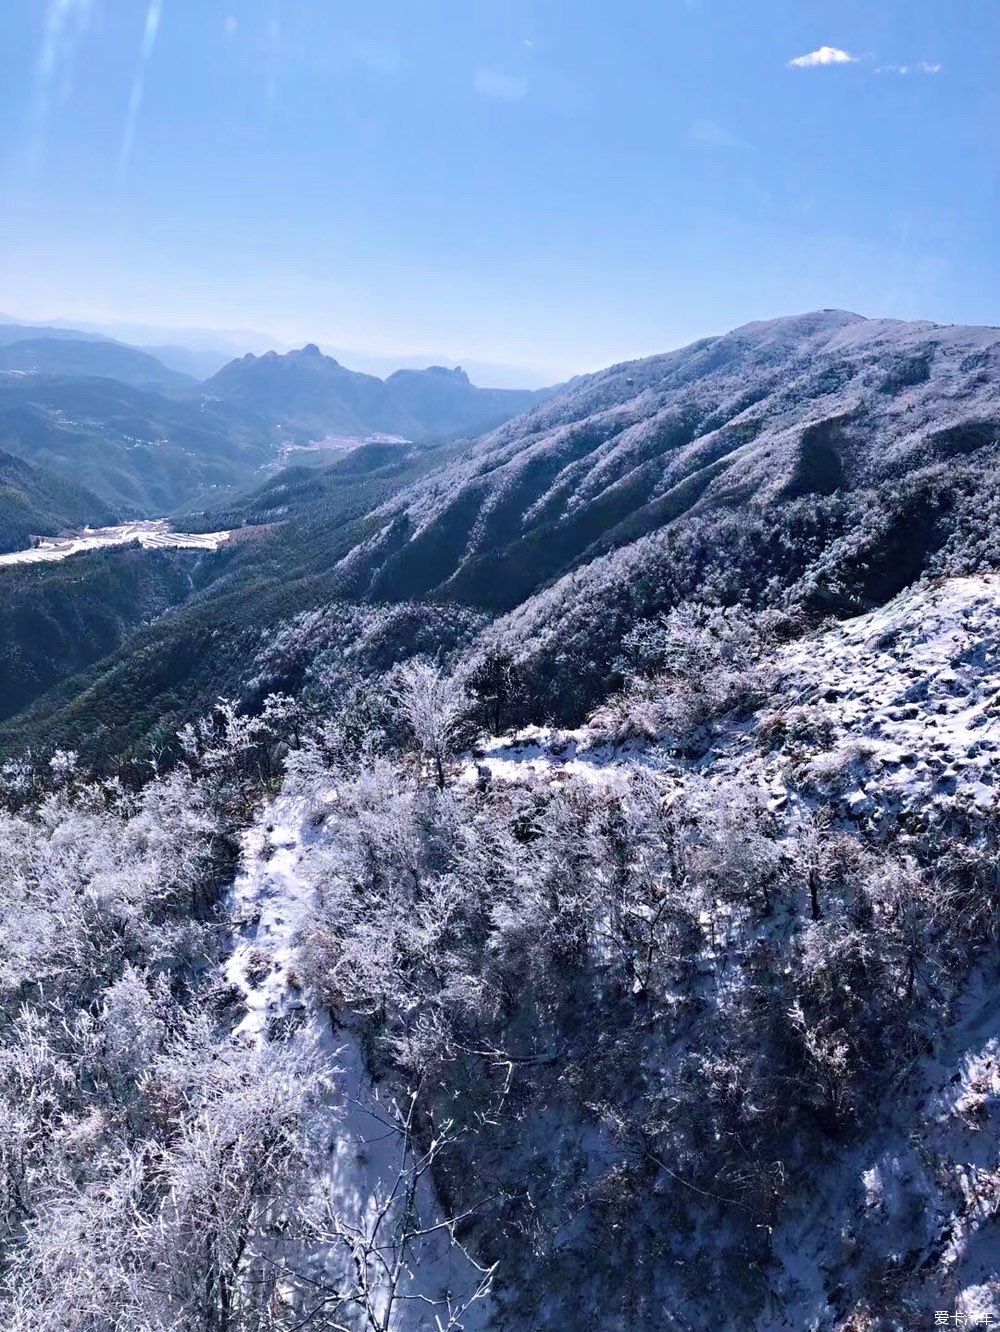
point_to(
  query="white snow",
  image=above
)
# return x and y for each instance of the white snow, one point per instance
(557, 754)
(925, 1185)
(917, 683)
(911, 693)
(269, 905)
(154, 534)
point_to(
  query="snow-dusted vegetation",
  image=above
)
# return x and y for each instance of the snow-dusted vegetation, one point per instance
(581, 909)
(684, 1022)
(499, 666)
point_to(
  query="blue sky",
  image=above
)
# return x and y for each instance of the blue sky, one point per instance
(548, 186)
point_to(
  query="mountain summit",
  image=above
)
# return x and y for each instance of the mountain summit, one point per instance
(775, 411)
(312, 395)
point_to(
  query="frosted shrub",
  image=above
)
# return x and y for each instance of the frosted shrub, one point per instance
(834, 772)
(434, 707)
(685, 671)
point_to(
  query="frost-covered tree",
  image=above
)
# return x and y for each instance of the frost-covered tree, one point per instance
(434, 706)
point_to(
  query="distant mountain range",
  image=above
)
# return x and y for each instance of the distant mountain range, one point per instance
(815, 465)
(144, 452)
(13, 331)
(191, 352)
(149, 440)
(88, 358)
(309, 395)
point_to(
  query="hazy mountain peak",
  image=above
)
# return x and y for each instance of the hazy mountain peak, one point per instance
(455, 375)
(312, 395)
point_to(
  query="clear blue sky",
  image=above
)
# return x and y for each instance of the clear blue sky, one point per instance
(555, 185)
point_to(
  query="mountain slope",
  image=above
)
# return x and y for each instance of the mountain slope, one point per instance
(769, 414)
(820, 462)
(60, 618)
(815, 465)
(737, 1014)
(88, 358)
(138, 449)
(311, 395)
(317, 499)
(36, 502)
(281, 565)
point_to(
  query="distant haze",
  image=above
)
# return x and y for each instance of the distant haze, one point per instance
(203, 351)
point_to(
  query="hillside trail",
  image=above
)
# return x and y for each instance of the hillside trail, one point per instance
(270, 903)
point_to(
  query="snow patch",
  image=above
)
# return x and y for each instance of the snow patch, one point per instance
(152, 535)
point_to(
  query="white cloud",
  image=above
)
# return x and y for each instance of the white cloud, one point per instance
(918, 67)
(499, 87)
(824, 55)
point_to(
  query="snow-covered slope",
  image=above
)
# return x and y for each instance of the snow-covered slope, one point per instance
(915, 687)
(896, 711)
(890, 717)
(917, 1198)
(887, 721)
(379, 1222)
(810, 405)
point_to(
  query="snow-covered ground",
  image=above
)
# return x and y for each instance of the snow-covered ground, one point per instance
(920, 1192)
(557, 754)
(915, 686)
(269, 905)
(905, 703)
(892, 713)
(906, 699)
(152, 534)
